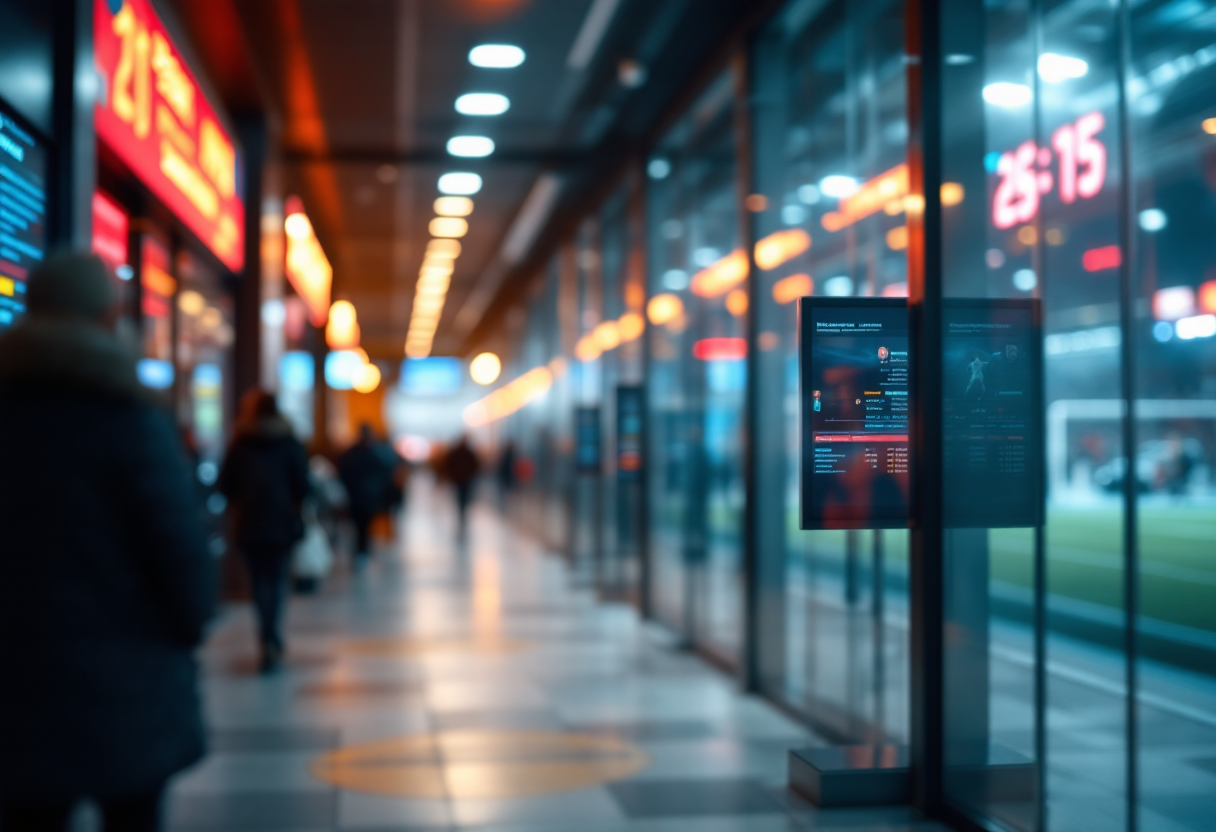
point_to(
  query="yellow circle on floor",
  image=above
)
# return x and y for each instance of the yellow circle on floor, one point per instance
(479, 765)
(416, 647)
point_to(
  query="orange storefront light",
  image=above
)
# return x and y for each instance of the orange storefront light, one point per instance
(789, 289)
(780, 247)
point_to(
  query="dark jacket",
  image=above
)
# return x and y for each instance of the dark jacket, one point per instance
(461, 465)
(367, 478)
(265, 478)
(105, 580)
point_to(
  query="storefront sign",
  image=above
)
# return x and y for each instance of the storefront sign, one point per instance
(151, 113)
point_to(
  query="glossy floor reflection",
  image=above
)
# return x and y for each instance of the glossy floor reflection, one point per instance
(448, 688)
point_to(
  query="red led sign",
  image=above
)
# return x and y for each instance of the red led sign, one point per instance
(1026, 175)
(720, 349)
(153, 115)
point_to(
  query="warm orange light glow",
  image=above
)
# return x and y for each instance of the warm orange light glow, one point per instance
(780, 247)
(789, 289)
(437, 266)
(664, 308)
(453, 206)
(1207, 297)
(952, 193)
(443, 249)
(433, 284)
(897, 238)
(736, 303)
(306, 265)
(485, 368)
(1209, 126)
(872, 197)
(509, 398)
(367, 378)
(607, 336)
(448, 227)
(722, 276)
(342, 330)
(631, 326)
(587, 349)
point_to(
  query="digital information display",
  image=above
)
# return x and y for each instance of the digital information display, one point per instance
(23, 232)
(855, 382)
(628, 433)
(992, 414)
(854, 365)
(587, 440)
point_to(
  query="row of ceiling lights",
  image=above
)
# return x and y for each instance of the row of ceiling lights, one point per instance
(452, 209)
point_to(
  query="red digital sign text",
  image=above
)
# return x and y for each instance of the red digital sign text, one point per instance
(1026, 172)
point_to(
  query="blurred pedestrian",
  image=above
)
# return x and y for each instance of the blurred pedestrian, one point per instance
(367, 479)
(461, 467)
(106, 583)
(265, 479)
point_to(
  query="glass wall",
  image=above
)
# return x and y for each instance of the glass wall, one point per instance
(698, 278)
(830, 130)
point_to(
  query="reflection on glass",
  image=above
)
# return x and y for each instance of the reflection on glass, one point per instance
(830, 138)
(697, 375)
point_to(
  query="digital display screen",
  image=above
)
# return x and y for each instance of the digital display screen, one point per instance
(992, 415)
(433, 376)
(628, 432)
(587, 440)
(855, 384)
(23, 232)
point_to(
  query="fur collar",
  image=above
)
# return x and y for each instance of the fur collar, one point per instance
(71, 356)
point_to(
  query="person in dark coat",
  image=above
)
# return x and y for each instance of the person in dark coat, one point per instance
(106, 583)
(265, 480)
(461, 467)
(368, 480)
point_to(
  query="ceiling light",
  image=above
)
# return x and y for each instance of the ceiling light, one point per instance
(1153, 219)
(482, 104)
(448, 227)
(297, 227)
(1055, 69)
(453, 206)
(442, 250)
(433, 286)
(1004, 94)
(366, 378)
(838, 187)
(496, 56)
(473, 147)
(459, 184)
(436, 268)
(485, 368)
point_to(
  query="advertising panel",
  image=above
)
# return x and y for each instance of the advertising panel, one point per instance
(152, 114)
(23, 161)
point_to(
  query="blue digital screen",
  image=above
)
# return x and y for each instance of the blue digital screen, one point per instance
(297, 371)
(436, 376)
(23, 161)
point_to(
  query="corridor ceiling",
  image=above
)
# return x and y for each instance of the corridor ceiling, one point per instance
(361, 96)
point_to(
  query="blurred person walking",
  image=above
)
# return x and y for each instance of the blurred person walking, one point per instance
(368, 480)
(461, 467)
(106, 583)
(265, 479)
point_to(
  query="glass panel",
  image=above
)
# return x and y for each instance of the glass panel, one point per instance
(204, 355)
(1031, 210)
(698, 287)
(830, 129)
(1173, 121)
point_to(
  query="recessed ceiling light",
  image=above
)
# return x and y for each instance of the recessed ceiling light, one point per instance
(459, 184)
(496, 56)
(482, 104)
(1005, 94)
(470, 146)
(443, 249)
(448, 227)
(453, 206)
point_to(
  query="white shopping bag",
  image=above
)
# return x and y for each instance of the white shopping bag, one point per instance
(313, 557)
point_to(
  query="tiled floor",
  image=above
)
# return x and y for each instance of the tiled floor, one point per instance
(527, 704)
